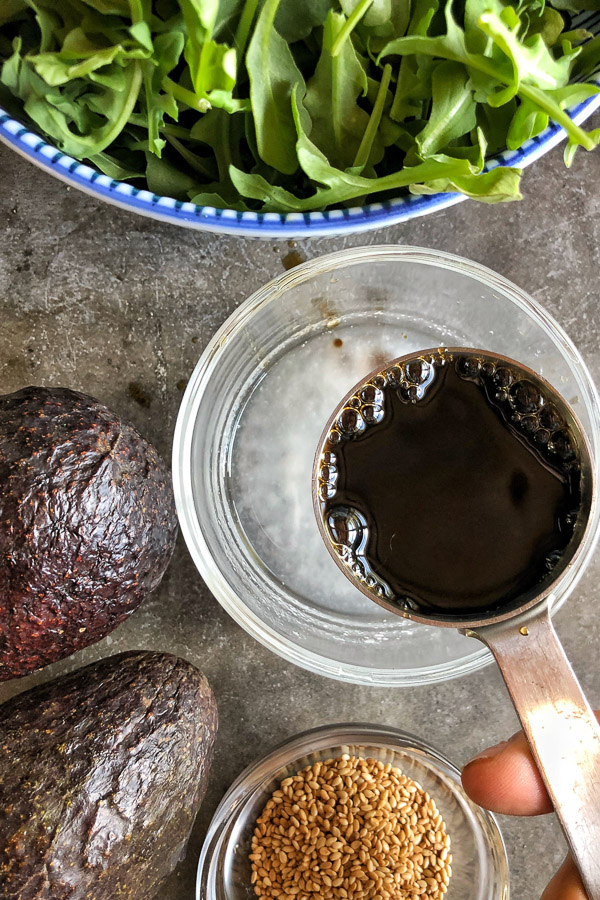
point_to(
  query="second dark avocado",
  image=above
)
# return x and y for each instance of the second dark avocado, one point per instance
(102, 772)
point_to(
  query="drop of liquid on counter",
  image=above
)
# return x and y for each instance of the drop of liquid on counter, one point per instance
(292, 259)
(451, 484)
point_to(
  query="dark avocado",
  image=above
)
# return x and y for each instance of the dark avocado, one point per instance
(87, 524)
(101, 775)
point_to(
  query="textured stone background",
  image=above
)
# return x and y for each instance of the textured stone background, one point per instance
(96, 299)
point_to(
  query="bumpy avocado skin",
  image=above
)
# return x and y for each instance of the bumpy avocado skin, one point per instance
(101, 775)
(87, 524)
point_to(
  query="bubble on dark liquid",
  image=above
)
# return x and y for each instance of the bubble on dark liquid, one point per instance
(469, 366)
(379, 381)
(503, 377)
(355, 402)
(488, 369)
(408, 604)
(529, 424)
(372, 415)
(328, 476)
(346, 527)
(541, 437)
(550, 418)
(525, 397)
(571, 518)
(395, 376)
(372, 395)
(326, 491)
(350, 422)
(553, 559)
(329, 458)
(408, 393)
(417, 371)
(561, 443)
(334, 437)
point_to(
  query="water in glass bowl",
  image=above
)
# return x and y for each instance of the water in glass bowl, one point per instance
(287, 401)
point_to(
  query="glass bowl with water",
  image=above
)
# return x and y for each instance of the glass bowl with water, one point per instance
(250, 423)
(479, 864)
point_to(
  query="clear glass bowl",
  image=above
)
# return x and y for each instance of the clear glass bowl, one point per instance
(251, 419)
(479, 864)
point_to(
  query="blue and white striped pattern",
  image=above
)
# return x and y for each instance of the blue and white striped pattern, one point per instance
(272, 225)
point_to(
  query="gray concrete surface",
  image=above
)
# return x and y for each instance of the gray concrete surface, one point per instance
(96, 299)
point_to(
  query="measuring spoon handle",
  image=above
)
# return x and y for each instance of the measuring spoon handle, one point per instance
(560, 726)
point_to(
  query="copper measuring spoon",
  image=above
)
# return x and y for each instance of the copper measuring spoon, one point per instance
(557, 720)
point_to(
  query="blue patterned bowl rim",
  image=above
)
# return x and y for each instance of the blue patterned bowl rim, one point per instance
(272, 225)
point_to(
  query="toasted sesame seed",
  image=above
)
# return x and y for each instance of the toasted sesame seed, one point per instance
(350, 829)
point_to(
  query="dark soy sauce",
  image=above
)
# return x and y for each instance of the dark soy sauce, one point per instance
(451, 484)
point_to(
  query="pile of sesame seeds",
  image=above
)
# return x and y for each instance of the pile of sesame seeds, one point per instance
(350, 828)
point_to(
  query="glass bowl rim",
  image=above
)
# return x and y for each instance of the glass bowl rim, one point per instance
(253, 775)
(186, 419)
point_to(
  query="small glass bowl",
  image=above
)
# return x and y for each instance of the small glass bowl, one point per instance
(479, 864)
(252, 416)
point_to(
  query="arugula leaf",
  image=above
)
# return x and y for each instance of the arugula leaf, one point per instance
(167, 49)
(298, 104)
(212, 65)
(221, 200)
(354, 13)
(495, 122)
(295, 24)
(453, 108)
(166, 179)
(383, 21)
(56, 70)
(433, 175)
(550, 25)
(53, 111)
(445, 172)
(448, 46)
(204, 166)
(412, 92)
(497, 186)
(242, 32)
(364, 152)
(588, 60)
(532, 61)
(517, 74)
(115, 169)
(273, 75)
(476, 41)
(338, 122)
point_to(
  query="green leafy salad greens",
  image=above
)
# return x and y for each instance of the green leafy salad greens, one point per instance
(297, 105)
